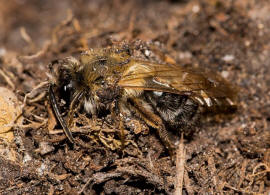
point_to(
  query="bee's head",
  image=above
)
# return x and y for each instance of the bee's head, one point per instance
(95, 73)
(63, 77)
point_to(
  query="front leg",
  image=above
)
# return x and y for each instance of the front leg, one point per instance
(118, 118)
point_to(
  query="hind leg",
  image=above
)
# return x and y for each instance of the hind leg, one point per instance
(145, 112)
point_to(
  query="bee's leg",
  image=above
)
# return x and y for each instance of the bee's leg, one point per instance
(145, 112)
(70, 118)
(58, 115)
(117, 117)
(122, 134)
(75, 99)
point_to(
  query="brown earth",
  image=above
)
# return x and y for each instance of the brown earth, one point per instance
(227, 156)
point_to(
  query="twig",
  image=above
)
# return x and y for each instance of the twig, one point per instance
(187, 183)
(213, 170)
(238, 190)
(7, 78)
(26, 36)
(39, 53)
(51, 190)
(99, 178)
(34, 92)
(180, 166)
(38, 98)
(242, 173)
(68, 19)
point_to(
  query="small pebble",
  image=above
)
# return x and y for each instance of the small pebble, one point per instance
(228, 58)
(225, 74)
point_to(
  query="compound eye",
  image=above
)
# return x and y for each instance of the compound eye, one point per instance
(67, 88)
(66, 92)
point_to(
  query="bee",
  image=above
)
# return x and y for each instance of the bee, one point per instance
(168, 97)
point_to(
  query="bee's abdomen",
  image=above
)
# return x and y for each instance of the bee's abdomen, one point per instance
(178, 112)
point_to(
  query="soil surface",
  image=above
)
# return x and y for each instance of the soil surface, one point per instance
(229, 155)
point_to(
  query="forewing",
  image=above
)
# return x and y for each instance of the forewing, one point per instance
(206, 88)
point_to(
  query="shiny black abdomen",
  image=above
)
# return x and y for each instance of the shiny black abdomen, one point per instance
(178, 112)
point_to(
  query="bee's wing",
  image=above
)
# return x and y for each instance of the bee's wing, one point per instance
(205, 88)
